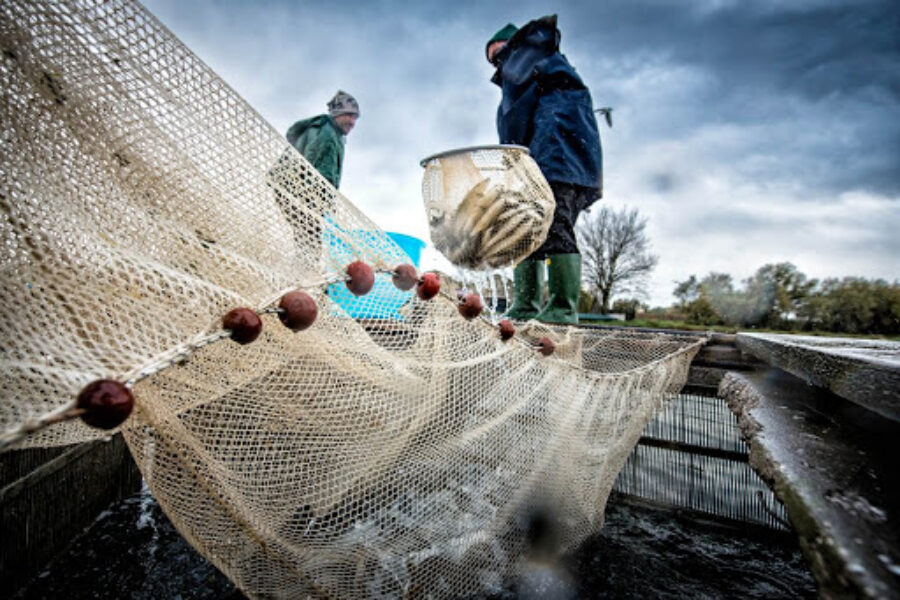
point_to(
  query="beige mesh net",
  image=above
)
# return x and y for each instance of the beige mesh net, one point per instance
(488, 206)
(384, 451)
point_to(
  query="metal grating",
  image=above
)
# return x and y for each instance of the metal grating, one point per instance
(692, 456)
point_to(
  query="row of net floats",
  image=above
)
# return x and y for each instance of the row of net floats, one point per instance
(107, 403)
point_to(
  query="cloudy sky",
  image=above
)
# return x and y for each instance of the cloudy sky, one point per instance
(746, 131)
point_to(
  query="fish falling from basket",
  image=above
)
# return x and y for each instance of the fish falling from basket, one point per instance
(487, 206)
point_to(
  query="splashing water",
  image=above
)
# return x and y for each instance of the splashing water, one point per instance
(507, 274)
(493, 306)
(484, 283)
(146, 519)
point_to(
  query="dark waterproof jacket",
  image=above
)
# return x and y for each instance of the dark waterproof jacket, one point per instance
(322, 143)
(546, 107)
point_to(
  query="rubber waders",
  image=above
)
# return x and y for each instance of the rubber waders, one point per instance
(528, 284)
(565, 285)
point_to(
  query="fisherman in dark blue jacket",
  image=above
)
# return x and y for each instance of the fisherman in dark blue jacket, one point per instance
(546, 107)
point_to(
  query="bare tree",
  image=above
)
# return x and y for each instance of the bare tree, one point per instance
(615, 253)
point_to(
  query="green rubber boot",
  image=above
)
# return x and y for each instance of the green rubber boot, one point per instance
(528, 283)
(565, 285)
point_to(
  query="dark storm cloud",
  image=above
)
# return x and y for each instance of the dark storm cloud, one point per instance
(808, 70)
(824, 49)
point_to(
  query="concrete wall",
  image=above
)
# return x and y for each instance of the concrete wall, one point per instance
(50, 495)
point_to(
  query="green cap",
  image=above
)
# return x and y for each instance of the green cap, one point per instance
(503, 35)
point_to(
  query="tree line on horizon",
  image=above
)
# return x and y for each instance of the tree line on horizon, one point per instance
(779, 296)
(617, 262)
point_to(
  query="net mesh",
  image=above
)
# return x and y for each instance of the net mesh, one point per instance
(487, 207)
(385, 451)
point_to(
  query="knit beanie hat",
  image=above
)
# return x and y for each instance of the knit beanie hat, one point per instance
(343, 104)
(503, 35)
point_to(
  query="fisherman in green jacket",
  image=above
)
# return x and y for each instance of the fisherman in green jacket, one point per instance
(321, 139)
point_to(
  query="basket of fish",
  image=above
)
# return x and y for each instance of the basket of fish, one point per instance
(487, 206)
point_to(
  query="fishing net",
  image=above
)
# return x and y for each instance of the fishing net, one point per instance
(387, 450)
(488, 206)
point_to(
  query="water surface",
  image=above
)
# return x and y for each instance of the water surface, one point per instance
(133, 551)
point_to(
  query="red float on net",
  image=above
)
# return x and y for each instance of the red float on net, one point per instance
(470, 306)
(360, 278)
(106, 403)
(507, 329)
(405, 277)
(243, 323)
(546, 346)
(428, 286)
(297, 310)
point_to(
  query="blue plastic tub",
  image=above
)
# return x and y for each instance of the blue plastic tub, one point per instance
(385, 300)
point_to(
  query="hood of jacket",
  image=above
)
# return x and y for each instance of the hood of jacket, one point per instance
(532, 56)
(535, 42)
(317, 122)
